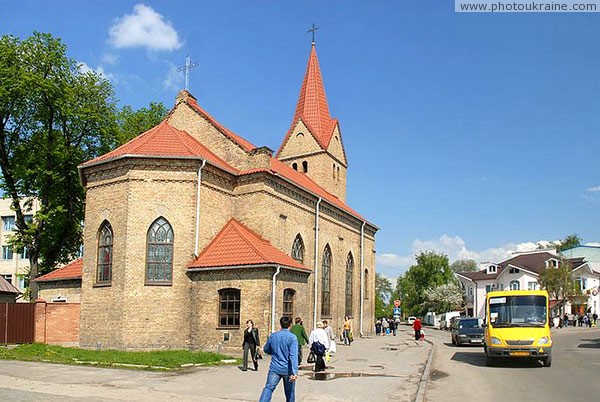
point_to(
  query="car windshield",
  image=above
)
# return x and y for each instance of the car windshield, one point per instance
(469, 323)
(518, 311)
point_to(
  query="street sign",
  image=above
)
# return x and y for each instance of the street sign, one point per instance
(397, 311)
(396, 303)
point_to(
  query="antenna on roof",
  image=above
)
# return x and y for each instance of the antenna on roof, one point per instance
(188, 66)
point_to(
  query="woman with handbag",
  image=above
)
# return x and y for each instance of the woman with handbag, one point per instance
(250, 344)
(319, 343)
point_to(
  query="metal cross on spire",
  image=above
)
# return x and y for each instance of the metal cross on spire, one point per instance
(313, 30)
(188, 66)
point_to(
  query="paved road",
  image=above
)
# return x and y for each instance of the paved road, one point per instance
(385, 368)
(460, 373)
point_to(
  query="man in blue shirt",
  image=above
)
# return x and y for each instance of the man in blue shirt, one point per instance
(283, 348)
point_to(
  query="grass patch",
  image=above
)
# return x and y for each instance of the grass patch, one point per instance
(153, 360)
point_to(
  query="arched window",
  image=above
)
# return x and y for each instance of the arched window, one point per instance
(288, 302)
(298, 249)
(304, 166)
(229, 308)
(326, 283)
(514, 285)
(366, 292)
(349, 277)
(105, 254)
(159, 253)
(295, 166)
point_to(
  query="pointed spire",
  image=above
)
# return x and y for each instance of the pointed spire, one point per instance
(312, 105)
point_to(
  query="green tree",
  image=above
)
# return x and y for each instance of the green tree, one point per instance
(569, 242)
(559, 282)
(132, 123)
(383, 294)
(464, 266)
(53, 116)
(444, 298)
(431, 270)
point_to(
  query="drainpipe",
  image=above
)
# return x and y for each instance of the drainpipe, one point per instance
(362, 275)
(273, 296)
(316, 277)
(198, 206)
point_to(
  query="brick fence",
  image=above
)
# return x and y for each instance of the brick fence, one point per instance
(57, 323)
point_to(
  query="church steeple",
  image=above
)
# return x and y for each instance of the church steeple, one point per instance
(313, 143)
(312, 105)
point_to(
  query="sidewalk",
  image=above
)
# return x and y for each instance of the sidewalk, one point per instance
(384, 367)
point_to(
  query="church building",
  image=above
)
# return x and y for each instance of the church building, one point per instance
(190, 230)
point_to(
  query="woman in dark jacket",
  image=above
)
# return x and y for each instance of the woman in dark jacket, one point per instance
(250, 343)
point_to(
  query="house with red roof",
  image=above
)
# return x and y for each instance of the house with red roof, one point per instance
(522, 272)
(63, 285)
(191, 230)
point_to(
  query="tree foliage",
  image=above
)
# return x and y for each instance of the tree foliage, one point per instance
(559, 282)
(383, 295)
(444, 298)
(431, 270)
(464, 266)
(133, 122)
(569, 242)
(53, 116)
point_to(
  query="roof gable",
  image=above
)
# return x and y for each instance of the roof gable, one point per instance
(70, 271)
(236, 245)
(7, 287)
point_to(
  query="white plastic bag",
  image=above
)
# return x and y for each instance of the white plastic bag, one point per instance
(332, 346)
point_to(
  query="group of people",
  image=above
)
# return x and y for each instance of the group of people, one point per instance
(285, 348)
(581, 320)
(386, 326)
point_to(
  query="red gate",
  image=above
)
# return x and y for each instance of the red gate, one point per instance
(17, 322)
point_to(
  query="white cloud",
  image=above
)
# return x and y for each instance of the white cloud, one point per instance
(174, 79)
(144, 28)
(594, 189)
(110, 59)
(84, 68)
(455, 248)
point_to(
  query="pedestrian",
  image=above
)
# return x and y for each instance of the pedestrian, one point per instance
(332, 346)
(319, 343)
(580, 319)
(393, 327)
(589, 320)
(417, 327)
(566, 320)
(348, 336)
(300, 332)
(595, 319)
(283, 348)
(378, 327)
(385, 326)
(249, 344)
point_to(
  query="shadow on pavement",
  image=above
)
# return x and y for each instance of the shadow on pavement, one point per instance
(594, 343)
(474, 359)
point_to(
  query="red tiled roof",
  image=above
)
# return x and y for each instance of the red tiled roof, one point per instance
(7, 287)
(236, 245)
(312, 105)
(73, 270)
(245, 145)
(163, 140)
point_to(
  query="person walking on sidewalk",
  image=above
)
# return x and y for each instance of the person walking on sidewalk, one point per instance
(300, 332)
(348, 336)
(250, 343)
(417, 327)
(283, 348)
(319, 343)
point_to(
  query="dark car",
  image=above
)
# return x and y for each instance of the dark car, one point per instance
(467, 331)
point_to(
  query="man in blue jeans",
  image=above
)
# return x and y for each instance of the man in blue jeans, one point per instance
(283, 348)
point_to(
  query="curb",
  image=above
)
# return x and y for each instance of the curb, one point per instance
(425, 376)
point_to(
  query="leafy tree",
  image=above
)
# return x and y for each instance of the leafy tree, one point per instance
(444, 298)
(431, 270)
(383, 294)
(53, 116)
(464, 266)
(132, 123)
(569, 242)
(559, 282)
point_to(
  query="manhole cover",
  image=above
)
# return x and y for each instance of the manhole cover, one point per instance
(388, 348)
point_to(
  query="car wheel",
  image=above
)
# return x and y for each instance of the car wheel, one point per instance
(547, 361)
(489, 360)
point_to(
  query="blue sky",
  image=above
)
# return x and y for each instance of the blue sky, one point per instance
(469, 134)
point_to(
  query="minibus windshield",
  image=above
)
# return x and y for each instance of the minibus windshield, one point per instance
(517, 311)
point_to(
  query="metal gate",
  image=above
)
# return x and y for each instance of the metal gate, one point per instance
(17, 322)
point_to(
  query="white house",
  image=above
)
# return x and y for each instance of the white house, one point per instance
(522, 272)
